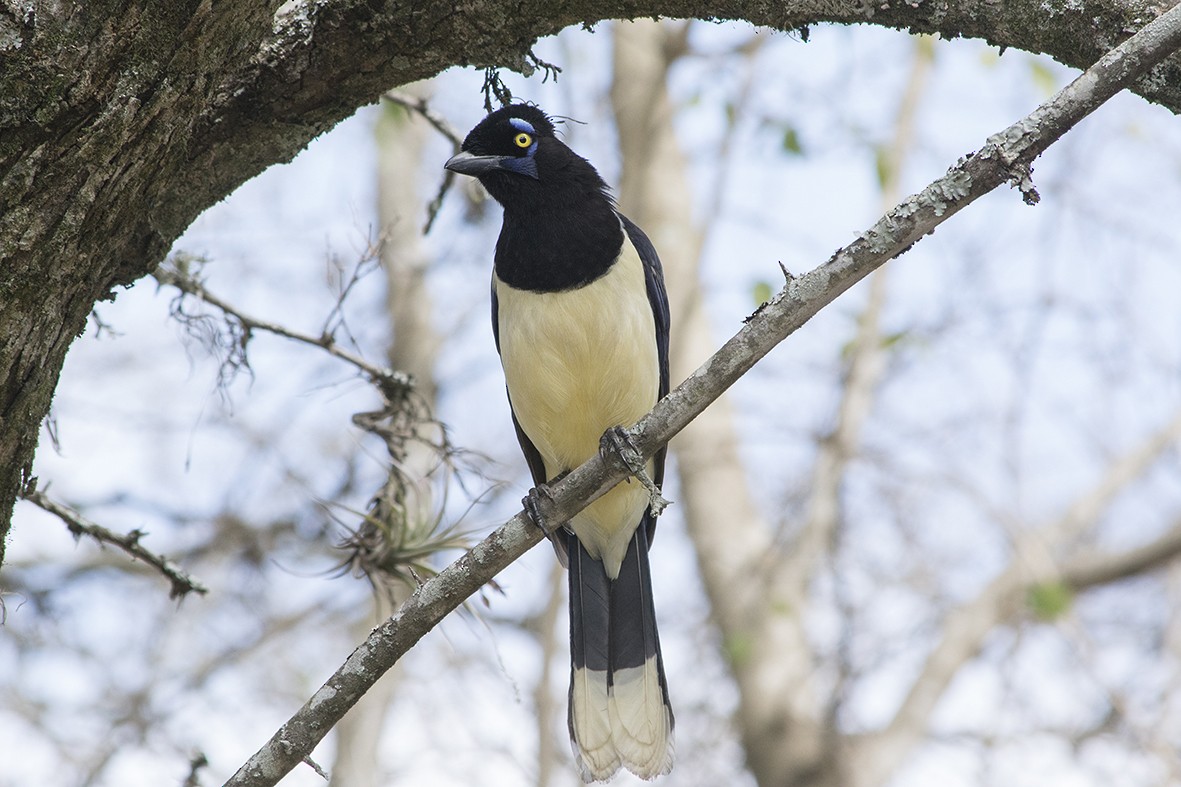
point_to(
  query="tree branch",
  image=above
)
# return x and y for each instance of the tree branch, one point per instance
(1119, 474)
(421, 106)
(1004, 157)
(1099, 568)
(182, 583)
(391, 382)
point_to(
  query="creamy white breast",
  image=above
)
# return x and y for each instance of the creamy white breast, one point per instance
(577, 363)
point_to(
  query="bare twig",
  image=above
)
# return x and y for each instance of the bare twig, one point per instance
(1005, 157)
(315, 766)
(335, 320)
(182, 583)
(393, 383)
(422, 107)
(419, 105)
(196, 763)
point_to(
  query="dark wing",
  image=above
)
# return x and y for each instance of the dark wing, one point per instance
(658, 298)
(532, 455)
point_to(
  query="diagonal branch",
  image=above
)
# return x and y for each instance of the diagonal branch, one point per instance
(182, 583)
(1004, 157)
(1120, 473)
(422, 106)
(1099, 568)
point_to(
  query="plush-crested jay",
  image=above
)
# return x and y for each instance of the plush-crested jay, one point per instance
(580, 317)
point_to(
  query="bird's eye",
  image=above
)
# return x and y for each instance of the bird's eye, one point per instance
(523, 140)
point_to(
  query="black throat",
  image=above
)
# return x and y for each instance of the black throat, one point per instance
(558, 247)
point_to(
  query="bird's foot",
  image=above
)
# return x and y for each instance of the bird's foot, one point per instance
(539, 506)
(618, 442)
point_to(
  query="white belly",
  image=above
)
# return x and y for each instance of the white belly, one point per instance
(577, 363)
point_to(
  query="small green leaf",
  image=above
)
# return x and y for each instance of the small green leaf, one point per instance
(1049, 600)
(881, 162)
(791, 141)
(762, 292)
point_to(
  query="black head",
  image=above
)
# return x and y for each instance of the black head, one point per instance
(514, 153)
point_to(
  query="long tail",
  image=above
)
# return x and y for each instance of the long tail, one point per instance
(619, 710)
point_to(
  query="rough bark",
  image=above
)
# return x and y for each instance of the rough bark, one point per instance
(120, 122)
(357, 761)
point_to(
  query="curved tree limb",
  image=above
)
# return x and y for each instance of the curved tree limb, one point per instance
(1005, 157)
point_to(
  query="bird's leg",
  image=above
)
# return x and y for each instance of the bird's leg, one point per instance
(617, 441)
(539, 506)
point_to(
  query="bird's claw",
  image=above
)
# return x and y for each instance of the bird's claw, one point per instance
(539, 507)
(618, 442)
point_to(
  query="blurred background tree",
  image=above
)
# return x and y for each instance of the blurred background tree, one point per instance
(931, 540)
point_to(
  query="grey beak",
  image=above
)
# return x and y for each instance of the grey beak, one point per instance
(469, 164)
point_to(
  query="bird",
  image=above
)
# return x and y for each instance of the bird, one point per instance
(581, 322)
